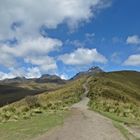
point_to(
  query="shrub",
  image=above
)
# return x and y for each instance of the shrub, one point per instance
(32, 101)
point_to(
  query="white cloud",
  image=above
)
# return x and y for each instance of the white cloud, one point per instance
(30, 15)
(64, 76)
(33, 51)
(6, 59)
(133, 60)
(6, 76)
(22, 19)
(45, 63)
(116, 57)
(133, 40)
(82, 56)
(33, 73)
(21, 72)
(36, 46)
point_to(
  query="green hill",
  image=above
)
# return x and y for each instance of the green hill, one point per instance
(10, 93)
(116, 92)
(12, 90)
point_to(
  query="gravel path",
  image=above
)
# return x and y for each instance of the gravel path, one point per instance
(84, 124)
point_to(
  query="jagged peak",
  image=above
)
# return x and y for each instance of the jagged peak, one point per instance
(95, 69)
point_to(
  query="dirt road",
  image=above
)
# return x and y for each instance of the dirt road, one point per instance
(84, 124)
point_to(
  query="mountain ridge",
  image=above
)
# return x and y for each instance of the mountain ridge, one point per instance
(91, 71)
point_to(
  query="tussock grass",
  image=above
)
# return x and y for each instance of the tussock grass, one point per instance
(117, 93)
(30, 128)
(46, 102)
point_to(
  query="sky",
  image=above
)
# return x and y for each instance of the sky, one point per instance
(68, 36)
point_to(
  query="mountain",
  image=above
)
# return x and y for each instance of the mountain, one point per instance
(14, 80)
(11, 93)
(12, 90)
(91, 71)
(116, 92)
(46, 78)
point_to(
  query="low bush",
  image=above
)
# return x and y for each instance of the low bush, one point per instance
(32, 101)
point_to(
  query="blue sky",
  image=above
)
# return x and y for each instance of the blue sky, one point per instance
(65, 37)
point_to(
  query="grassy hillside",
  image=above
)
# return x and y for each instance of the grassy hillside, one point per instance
(37, 114)
(117, 93)
(47, 101)
(10, 93)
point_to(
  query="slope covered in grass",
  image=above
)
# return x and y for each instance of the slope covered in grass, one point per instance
(30, 128)
(59, 99)
(117, 93)
(10, 93)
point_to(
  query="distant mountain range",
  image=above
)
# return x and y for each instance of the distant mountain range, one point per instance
(12, 90)
(46, 78)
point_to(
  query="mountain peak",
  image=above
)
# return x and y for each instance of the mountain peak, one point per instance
(95, 69)
(50, 78)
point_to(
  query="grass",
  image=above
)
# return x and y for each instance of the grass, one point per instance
(117, 93)
(55, 100)
(124, 131)
(119, 122)
(10, 93)
(27, 129)
(119, 119)
(35, 115)
(29, 117)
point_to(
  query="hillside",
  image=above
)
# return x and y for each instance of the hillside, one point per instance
(12, 90)
(9, 94)
(91, 72)
(116, 92)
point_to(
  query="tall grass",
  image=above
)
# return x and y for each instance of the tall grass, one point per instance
(46, 102)
(117, 93)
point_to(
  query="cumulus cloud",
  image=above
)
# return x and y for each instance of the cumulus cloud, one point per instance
(64, 76)
(23, 19)
(133, 40)
(116, 57)
(33, 51)
(27, 16)
(45, 63)
(36, 46)
(82, 56)
(6, 75)
(33, 72)
(133, 60)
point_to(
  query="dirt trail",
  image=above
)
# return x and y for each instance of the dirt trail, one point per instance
(84, 124)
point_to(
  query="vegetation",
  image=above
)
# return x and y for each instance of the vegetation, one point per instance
(35, 115)
(10, 93)
(114, 94)
(124, 131)
(45, 102)
(117, 93)
(30, 128)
